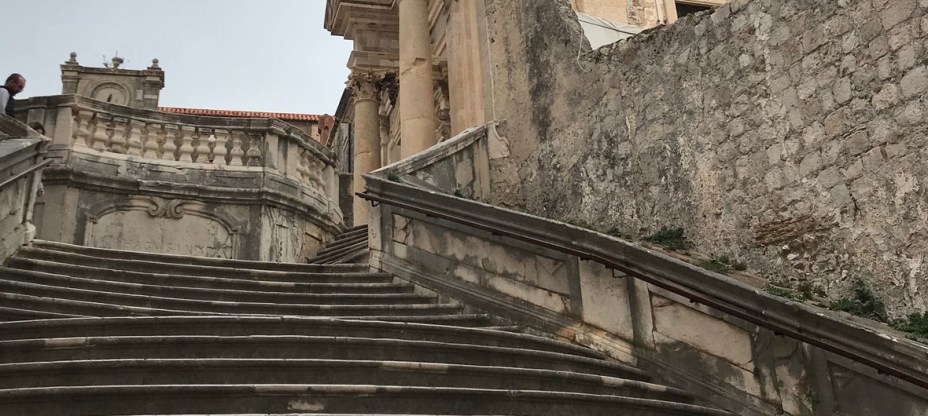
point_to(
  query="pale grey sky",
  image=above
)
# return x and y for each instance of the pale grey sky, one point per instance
(257, 55)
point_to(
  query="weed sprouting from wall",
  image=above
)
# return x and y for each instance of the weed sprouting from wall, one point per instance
(669, 238)
(863, 302)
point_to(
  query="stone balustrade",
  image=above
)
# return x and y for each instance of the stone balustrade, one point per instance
(157, 137)
(246, 188)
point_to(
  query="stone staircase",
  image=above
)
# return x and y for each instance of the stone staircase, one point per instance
(350, 247)
(90, 331)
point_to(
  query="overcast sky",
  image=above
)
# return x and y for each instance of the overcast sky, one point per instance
(257, 55)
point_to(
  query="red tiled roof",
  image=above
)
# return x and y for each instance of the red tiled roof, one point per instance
(230, 113)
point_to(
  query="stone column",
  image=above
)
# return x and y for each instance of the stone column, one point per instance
(417, 109)
(465, 68)
(366, 137)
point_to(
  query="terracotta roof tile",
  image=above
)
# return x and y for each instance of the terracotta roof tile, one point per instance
(230, 113)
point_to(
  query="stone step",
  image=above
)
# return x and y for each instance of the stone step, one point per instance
(17, 314)
(362, 256)
(89, 303)
(94, 309)
(343, 243)
(360, 275)
(304, 347)
(107, 254)
(341, 252)
(282, 399)
(210, 294)
(295, 371)
(350, 234)
(210, 306)
(354, 282)
(257, 325)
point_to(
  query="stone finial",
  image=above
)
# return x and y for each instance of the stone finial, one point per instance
(73, 59)
(154, 64)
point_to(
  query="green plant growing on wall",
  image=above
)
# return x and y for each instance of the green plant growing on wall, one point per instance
(393, 177)
(801, 296)
(863, 302)
(669, 238)
(916, 324)
(615, 232)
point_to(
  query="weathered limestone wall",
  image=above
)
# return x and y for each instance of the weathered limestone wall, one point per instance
(787, 134)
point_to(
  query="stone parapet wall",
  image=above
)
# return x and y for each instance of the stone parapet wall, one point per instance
(786, 134)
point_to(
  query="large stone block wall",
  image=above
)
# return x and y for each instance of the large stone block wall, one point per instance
(787, 134)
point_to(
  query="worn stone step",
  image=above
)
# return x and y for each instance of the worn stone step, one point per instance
(106, 254)
(351, 234)
(357, 276)
(210, 306)
(96, 309)
(342, 252)
(16, 314)
(342, 244)
(257, 325)
(361, 256)
(295, 371)
(468, 352)
(210, 294)
(360, 282)
(282, 399)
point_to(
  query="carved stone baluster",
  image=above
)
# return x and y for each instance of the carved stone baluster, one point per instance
(154, 137)
(170, 142)
(110, 132)
(186, 140)
(237, 153)
(302, 168)
(118, 135)
(134, 138)
(82, 132)
(254, 153)
(99, 134)
(218, 143)
(315, 172)
(202, 143)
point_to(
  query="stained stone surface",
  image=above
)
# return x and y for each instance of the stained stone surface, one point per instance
(786, 134)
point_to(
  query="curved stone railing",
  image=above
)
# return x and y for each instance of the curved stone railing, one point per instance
(214, 171)
(155, 136)
(734, 344)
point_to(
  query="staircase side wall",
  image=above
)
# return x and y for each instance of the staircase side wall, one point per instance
(726, 361)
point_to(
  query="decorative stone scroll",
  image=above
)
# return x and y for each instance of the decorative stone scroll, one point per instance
(173, 209)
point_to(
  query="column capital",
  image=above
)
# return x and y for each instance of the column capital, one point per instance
(365, 85)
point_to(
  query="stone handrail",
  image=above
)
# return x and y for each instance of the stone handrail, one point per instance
(21, 162)
(156, 136)
(406, 195)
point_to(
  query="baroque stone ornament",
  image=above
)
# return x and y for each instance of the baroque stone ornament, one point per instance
(160, 207)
